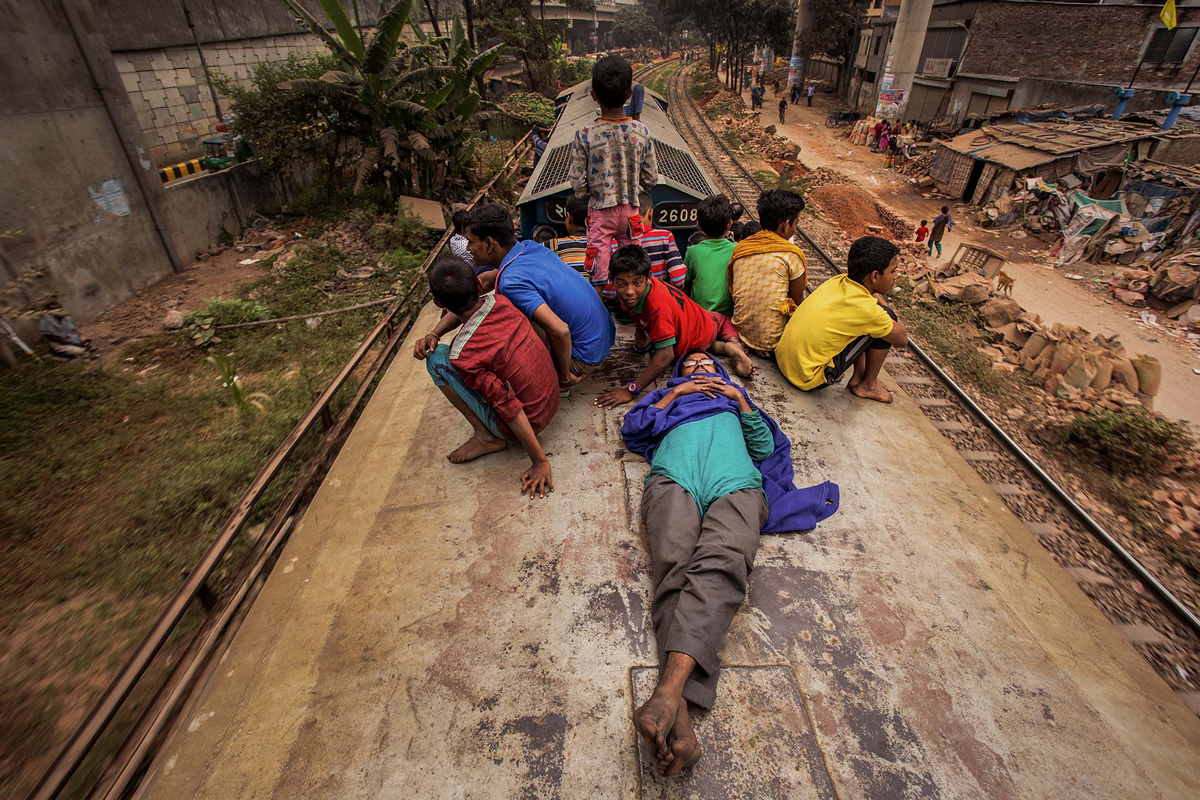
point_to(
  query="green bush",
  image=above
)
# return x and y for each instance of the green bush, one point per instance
(1127, 442)
(530, 108)
(226, 311)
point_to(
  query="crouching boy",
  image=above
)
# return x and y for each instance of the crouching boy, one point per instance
(495, 372)
(844, 322)
(669, 320)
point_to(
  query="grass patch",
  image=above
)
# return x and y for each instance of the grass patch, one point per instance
(658, 83)
(1126, 442)
(120, 475)
(940, 328)
(790, 180)
(731, 140)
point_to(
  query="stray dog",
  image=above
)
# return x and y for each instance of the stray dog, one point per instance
(1004, 283)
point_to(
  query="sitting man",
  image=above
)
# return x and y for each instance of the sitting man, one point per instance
(720, 472)
(708, 260)
(767, 273)
(843, 322)
(667, 320)
(572, 248)
(60, 332)
(495, 372)
(556, 298)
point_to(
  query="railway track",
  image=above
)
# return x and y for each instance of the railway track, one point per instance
(1154, 621)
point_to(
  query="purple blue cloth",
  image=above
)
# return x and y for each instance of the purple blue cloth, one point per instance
(789, 508)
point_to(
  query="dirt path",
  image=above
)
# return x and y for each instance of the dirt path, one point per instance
(1039, 287)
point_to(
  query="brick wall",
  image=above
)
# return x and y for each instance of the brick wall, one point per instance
(1078, 43)
(171, 97)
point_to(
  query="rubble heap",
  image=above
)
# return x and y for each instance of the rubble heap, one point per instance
(824, 176)
(856, 212)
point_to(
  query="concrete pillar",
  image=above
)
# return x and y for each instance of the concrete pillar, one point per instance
(904, 53)
(804, 24)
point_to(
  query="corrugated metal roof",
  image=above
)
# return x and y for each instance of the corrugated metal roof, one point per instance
(1021, 147)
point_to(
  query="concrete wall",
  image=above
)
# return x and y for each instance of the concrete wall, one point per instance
(171, 96)
(64, 176)
(1075, 43)
(201, 208)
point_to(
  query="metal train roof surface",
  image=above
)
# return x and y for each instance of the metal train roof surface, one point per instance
(677, 167)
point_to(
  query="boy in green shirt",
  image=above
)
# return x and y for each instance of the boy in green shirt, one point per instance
(708, 261)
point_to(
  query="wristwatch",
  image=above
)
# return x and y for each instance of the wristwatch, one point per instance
(633, 388)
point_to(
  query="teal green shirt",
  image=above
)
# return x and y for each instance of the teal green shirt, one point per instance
(708, 274)
(711, 457)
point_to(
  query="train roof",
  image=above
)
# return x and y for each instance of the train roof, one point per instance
(677, 167)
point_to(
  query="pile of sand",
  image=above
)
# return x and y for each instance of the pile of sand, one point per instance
(856, 212)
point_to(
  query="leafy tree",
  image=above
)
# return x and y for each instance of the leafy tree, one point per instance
(735, 27)
(526, 32)
(633, 26)
(833, 27)
(411, 106)
(286, 127)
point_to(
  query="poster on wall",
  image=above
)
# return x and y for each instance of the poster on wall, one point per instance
(794, 71)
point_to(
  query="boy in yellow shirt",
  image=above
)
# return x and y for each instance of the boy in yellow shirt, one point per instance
(844, 322)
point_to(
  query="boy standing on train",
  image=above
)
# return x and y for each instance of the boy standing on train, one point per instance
(611, 159)
(495, 372)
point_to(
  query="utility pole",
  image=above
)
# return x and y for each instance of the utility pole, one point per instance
(904, 53)
(804, 25)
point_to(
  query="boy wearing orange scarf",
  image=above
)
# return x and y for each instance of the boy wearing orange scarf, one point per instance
(767, 273)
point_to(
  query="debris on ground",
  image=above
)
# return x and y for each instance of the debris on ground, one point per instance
(856, 212)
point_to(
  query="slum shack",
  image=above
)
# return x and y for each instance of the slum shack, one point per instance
(982, 166)
(1150, 240)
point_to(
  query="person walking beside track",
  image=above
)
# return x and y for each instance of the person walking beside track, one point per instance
(941, 223)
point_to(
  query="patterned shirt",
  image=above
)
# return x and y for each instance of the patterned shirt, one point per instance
(761, 303)
(611, 160)
(573, 251)
(497, 354)
(458, 246)
(665, 262)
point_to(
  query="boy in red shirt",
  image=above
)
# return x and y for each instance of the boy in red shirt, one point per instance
(922, 231)
(669, 320)
(495, 372)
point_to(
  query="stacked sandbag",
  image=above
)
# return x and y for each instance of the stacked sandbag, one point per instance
(1088, 371)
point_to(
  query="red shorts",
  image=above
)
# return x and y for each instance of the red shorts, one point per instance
(724, 327)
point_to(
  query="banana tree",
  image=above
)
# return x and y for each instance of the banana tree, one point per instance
(412, 103)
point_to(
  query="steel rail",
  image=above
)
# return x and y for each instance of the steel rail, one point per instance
(1164, 594)
(77, 748)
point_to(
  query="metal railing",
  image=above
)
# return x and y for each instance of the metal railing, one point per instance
(367, 362)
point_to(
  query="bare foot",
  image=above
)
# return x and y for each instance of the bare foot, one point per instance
(743, 366)
(654, 721)
(685, 748)
(876, 391)
(475, 447)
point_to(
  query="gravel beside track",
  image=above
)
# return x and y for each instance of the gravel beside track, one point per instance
(1170, 644)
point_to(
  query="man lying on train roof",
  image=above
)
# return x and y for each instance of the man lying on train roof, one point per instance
(720, 473)
(495, 371)
(556, 298)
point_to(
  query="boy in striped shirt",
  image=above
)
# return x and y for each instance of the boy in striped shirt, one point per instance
(572, 248)
(666, 263)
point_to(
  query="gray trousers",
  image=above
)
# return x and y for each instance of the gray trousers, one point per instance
(701, 567)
